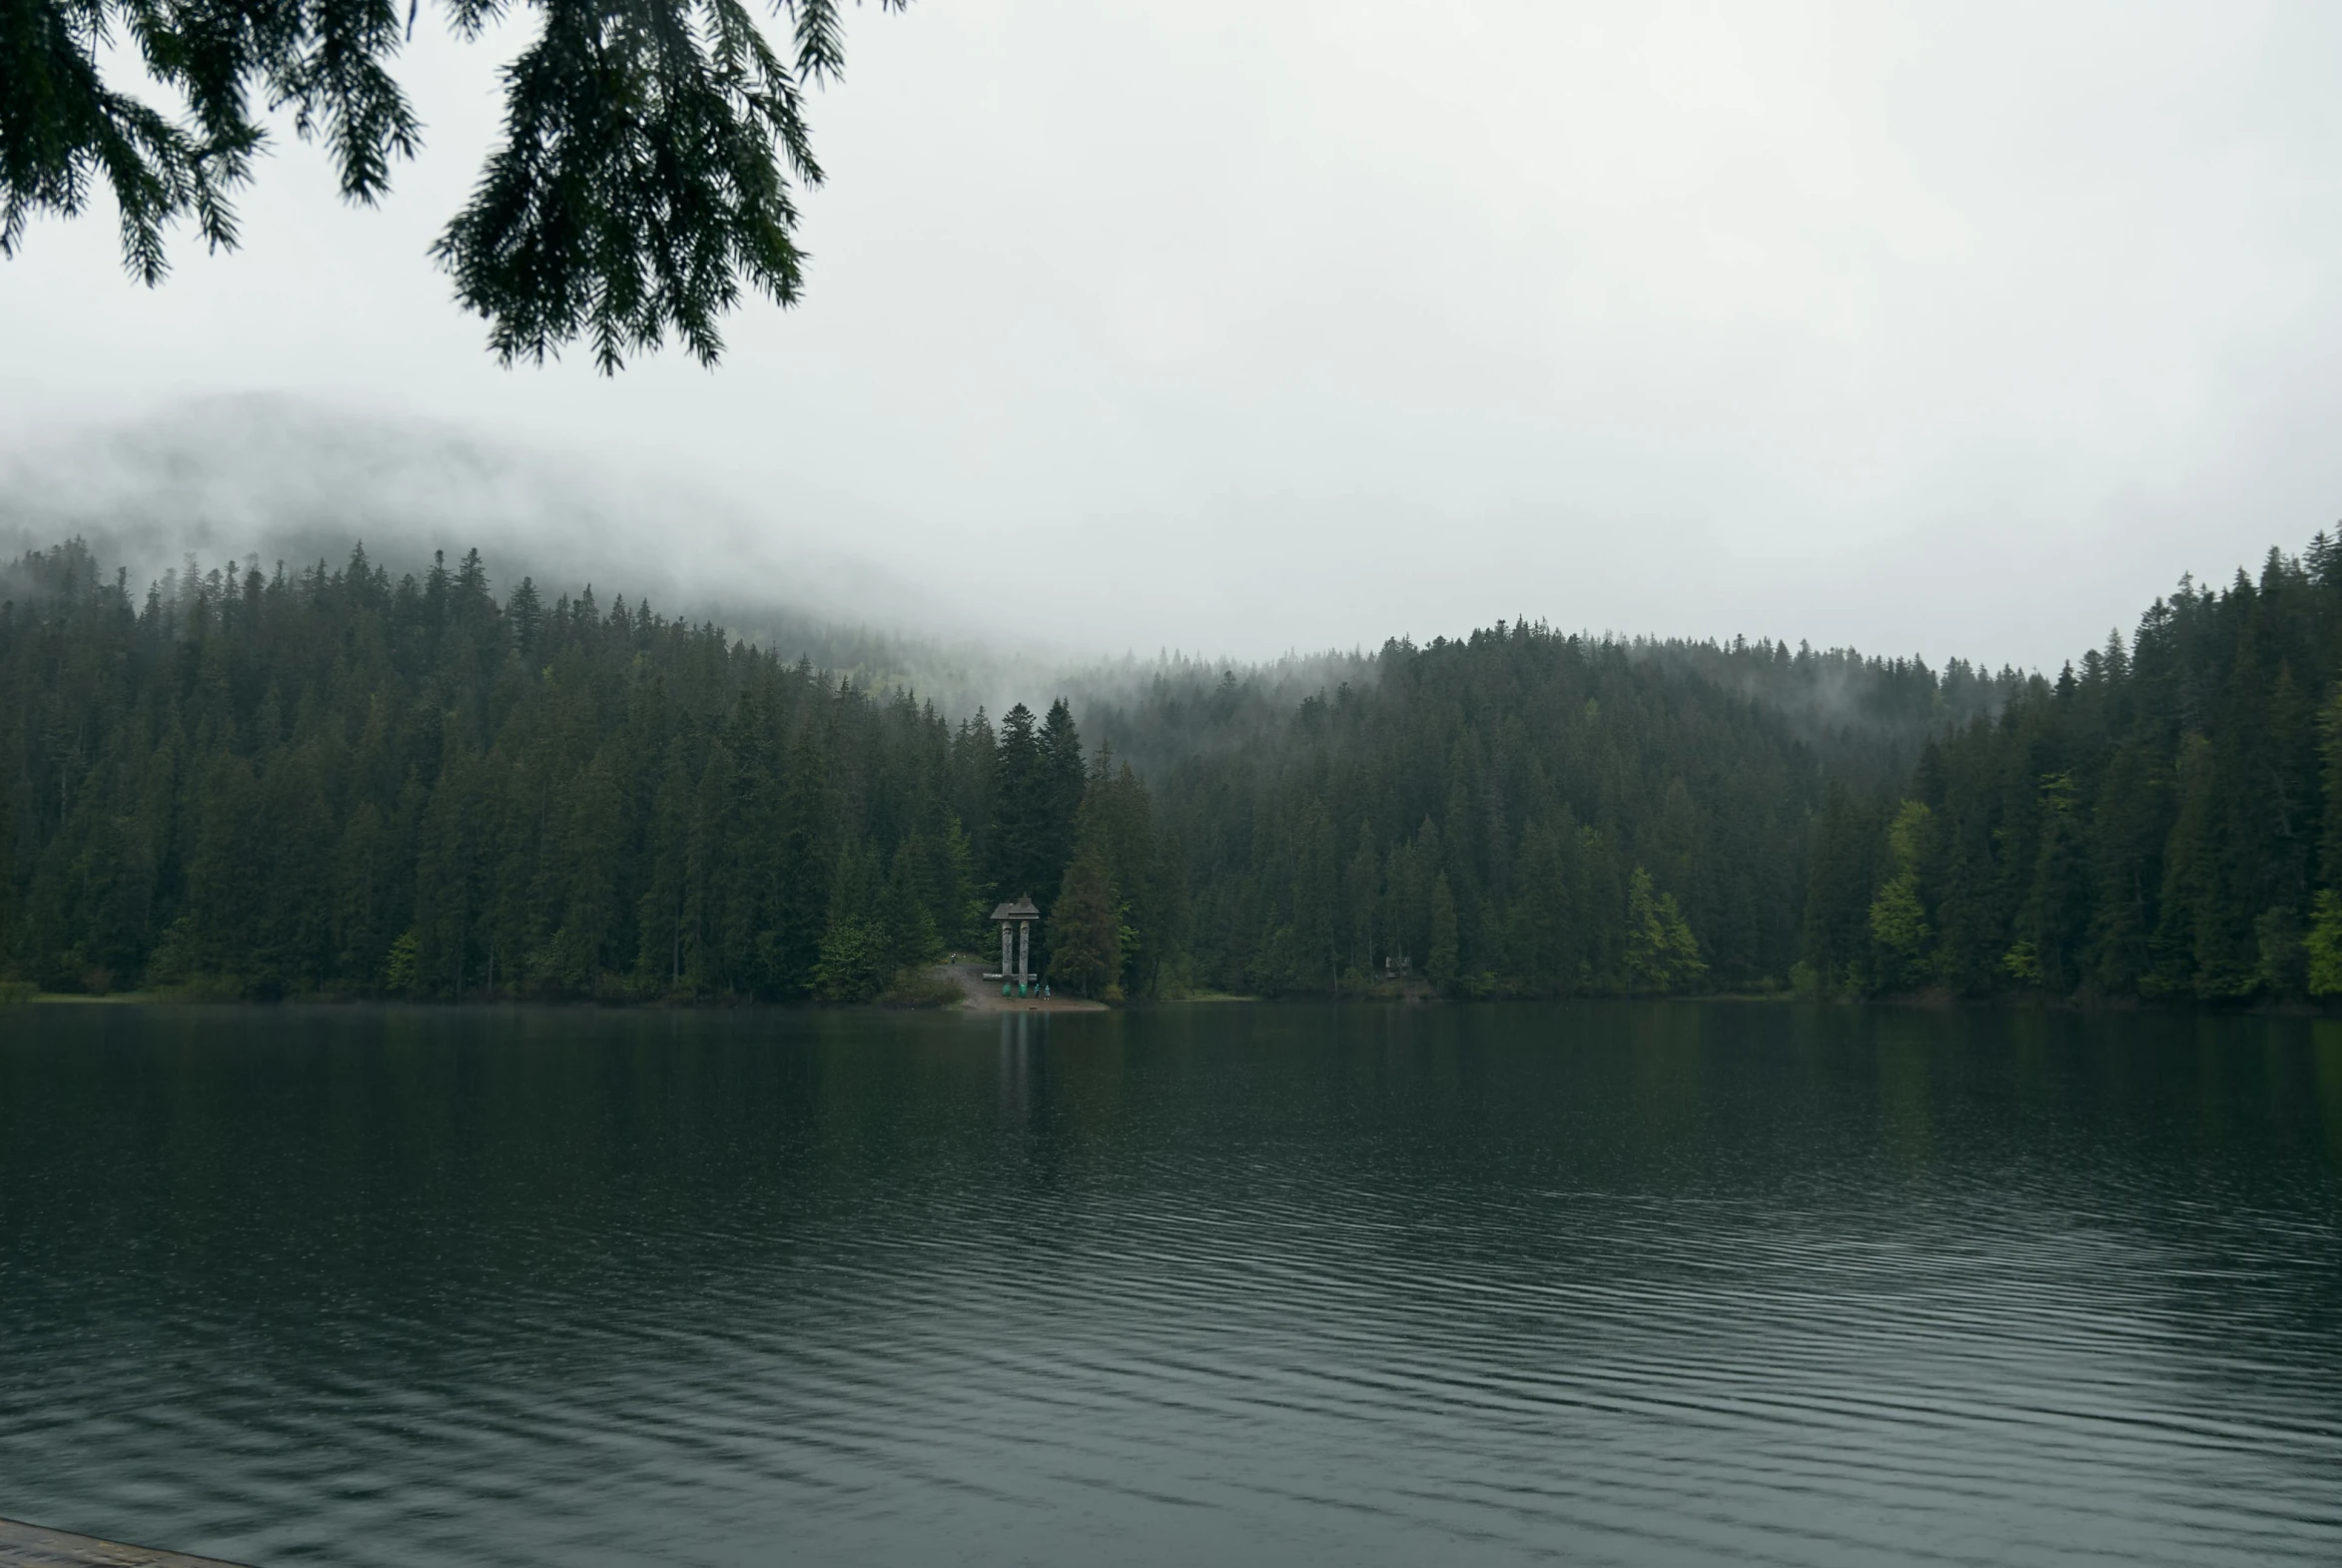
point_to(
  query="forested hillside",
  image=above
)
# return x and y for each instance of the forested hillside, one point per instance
(2163, 820)
(330, 782)
(1521, 812)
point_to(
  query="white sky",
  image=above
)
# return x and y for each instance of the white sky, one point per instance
(1956, 328)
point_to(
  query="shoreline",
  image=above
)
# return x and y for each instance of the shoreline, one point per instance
(977, 995)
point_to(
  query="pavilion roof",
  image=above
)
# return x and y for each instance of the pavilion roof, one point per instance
(1021, 909)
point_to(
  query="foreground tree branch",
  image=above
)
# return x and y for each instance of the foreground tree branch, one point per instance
(642, 181)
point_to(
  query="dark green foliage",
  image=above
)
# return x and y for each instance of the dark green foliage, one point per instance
(638, 187)
(1443, 965)
(857, 948)
(1129, 917)
(1474, 813)
(2161, 822)
(1899, 930)
(332, 782)
(1085, 932)
(1661, 955)
(1021, 834)
(328, 781)
(1037, 786)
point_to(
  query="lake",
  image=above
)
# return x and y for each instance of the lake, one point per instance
(1250, 1283)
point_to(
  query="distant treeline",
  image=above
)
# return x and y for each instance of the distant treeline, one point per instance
(330, 782)
(1521, 813)
(2164, 822)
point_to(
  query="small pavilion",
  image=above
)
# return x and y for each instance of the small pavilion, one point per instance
(1016, 923)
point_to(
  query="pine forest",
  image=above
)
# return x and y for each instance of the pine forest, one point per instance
(332, 782)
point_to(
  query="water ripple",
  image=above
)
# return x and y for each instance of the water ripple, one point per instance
(1630, 1286)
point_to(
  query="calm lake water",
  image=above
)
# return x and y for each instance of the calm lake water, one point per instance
(1231, 1284)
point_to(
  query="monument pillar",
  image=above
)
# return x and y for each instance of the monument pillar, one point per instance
(1016, 922)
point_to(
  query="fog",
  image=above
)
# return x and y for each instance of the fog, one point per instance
(261, 483)
(258, 482)
(265, 477)
(1239, 329)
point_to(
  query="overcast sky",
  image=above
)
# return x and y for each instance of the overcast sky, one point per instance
(1954, 329)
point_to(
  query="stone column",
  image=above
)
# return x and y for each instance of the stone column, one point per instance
(1006, 940)
(1023, 949)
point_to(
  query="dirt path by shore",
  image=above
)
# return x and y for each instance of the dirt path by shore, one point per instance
(978, 994)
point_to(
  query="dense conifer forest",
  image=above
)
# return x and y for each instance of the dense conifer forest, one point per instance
(333, 782)
(330, 782)
(2161, 821)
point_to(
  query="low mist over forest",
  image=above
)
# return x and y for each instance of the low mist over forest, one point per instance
(344, 781)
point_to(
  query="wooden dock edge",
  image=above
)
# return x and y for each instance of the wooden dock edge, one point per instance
(30, 1546)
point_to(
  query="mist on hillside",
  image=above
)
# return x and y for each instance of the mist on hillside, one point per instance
(255, 483)
(258, 481)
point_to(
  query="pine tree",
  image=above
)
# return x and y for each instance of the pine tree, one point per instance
(856, 951)
(1442, 961)
(1084, 931)
(1022, 804)
(1899, 917)
(906, 911)
(2323, 945)
(1661, 953)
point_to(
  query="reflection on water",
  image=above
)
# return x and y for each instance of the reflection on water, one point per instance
(1604, 1283)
